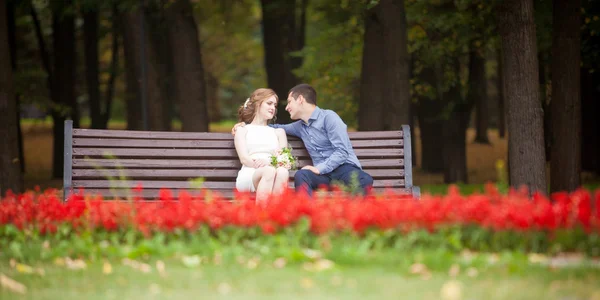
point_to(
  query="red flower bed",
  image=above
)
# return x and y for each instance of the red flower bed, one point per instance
(492, 211)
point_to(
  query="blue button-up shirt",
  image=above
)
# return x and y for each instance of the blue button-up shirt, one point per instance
(326, 139)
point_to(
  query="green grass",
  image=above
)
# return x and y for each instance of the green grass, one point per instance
(513, 279)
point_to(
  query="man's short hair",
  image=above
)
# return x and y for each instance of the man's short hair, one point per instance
(307, 91)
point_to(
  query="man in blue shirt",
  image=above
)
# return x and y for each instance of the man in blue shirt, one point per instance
(326, 139)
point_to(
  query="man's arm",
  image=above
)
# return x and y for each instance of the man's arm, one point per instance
(337, 132)
(290, 129)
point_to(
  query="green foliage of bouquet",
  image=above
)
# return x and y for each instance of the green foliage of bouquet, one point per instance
(284, 158)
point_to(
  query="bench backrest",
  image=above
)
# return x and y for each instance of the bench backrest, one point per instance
(111, 162)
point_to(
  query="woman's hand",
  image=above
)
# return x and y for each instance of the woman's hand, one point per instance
(259, 163)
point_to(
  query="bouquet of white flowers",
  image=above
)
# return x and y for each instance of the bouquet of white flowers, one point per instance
(284, 158)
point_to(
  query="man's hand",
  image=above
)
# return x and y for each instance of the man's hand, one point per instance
(235, 127)
(312, 169)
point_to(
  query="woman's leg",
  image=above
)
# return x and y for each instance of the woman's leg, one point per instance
(282, 177)
(263, 181)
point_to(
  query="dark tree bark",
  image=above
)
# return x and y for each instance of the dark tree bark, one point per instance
(189, 84)
(212, 96)
(500, 87)
(63, 90)
(370, 113)
(90, 42)
(565, 165)
(159, 71)
(590, 110)
(113, 72)
(429, 114)
(12, 39)
(11, 176)
(282, 34)
(524, 113)
(131, 48)
(478, 95)
(545, 100)
(396, 97)
(454, 129)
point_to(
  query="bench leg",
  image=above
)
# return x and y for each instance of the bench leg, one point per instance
(416, 192)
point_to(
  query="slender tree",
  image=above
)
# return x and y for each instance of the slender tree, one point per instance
(524, 113)
(11, 176)
(566, 101)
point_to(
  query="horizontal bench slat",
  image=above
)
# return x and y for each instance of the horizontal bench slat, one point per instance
(392, 183)
(179, 173)
(206, 163)
(222, 153)
(152, 194)
(204, 144)
(175, 135)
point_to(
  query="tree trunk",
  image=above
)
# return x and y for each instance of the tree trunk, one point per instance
(430, 126)
(90, 42)
(396, 59)
(565, 167)
(500, 87)
(279, 30)
(454, 130)
(131, 48)
(524, 114)
(190, 87)
(159, 69)
(370, 114)
(114, 65)
(63, 91)
(12, 39)
(11, 176)
(590, 109)
(212, 96)
(545, 100)
(478, 95)
(429, 114)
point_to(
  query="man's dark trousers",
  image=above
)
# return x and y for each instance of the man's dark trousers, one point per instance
(309, 181)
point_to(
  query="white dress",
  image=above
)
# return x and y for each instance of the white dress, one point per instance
(261, 142)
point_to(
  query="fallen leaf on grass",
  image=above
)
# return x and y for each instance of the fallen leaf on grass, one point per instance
(12, 285)
(336, 280)
(218, 259)
(307, 283)
(160, 267)
(279, 263)
(454, 270)
(59, 261)
(136, 265)
(451, 290)
(536, 258)
(420, 269)
(312, 254)
(76, 264)
(154, 289)
(472, 272)
(106, 268)
(191, 261)
(224, 288)
(319, 265)
(253, 263)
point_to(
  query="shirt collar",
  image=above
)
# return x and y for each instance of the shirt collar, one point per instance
(315, 115)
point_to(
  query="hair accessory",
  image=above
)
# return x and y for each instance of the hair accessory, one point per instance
(246, 103)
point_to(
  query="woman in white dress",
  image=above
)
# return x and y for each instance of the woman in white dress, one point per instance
(256, 142)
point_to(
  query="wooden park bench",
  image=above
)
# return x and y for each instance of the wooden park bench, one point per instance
(112, 162)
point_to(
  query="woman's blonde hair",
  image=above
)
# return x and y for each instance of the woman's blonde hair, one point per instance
(247, 111)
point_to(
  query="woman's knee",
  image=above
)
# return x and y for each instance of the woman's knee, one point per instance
(282, 173)
(268, 173)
